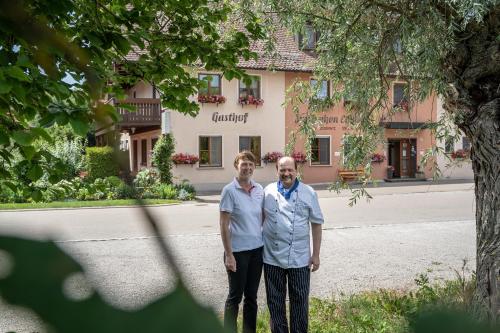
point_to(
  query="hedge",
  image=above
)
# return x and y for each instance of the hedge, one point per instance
(101, 162)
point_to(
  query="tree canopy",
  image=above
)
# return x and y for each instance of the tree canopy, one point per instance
(58, 59)
(447, 47)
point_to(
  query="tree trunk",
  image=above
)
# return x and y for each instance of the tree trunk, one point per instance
(485, 132)
(473, 72)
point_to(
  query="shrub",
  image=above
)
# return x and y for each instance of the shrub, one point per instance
(185, 195)
(185, 190)
(100, 162)
(146, 179)
(69, 153)
(162, 157)
(166, 191)
(185, 185)
(124, 191)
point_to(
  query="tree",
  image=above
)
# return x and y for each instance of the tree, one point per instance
(58, 59)
(451, 47)
(162, 157)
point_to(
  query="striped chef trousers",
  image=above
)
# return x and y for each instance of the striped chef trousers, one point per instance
(298, 290)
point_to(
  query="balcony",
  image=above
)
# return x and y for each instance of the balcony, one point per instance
(148, 112)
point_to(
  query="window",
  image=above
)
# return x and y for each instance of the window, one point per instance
(323, 91)
(210, 151)
(449, 145)
(251, 143)
(153, 143)
(349, 142)
(465, 143)
(213, 84)
(320, 151)
(250, 90)
(309, 38)
(400, 95)
(397, 46)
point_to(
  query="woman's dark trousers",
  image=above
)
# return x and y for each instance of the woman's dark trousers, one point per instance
(244, 282)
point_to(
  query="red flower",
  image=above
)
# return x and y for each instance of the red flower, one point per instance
(299, 157)
(184, 158)
(378, 158)
(217, 99)
(460, 154)
(251, 100)
(272, 157)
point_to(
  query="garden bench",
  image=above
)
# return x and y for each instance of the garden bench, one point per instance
(350, 175)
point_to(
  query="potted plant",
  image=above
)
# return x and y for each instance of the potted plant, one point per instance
(272, 157)
(420, 174)
(390, 172)
(181, 158)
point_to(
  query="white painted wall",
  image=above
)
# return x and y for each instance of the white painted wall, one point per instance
(266, 121)
(453, 169)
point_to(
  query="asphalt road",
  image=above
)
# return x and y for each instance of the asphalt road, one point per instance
(385, 243)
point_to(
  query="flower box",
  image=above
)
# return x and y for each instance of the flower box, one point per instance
(460, 154)
(184, 159)
(404, 105)
(377, 158)
(216, 99)
(272, 157)
(251, 100)
(299, 157)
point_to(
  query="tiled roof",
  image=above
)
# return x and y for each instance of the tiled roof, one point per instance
(286, 57)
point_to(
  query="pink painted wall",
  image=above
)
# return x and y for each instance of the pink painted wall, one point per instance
(336, 129)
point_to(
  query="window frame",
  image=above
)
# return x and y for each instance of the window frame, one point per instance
(209, 93)
(465, 139)
(308, 29)
(405, 97)
(328, 93)
(200, 165)
(257, 156)
(259, 88)
(314, 164)
(449, 145)
(343, 149)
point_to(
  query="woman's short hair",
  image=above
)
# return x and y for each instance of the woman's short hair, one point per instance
(244, 155)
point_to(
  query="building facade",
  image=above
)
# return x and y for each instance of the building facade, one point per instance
(235, 116)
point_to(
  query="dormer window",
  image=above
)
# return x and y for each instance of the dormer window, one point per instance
(308, 39)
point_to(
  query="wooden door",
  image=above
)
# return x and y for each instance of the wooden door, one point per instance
(405, 157)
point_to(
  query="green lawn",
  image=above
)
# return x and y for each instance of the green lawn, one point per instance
(79, 204)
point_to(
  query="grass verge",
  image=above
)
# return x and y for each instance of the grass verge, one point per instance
(82, 204)
(385, 310)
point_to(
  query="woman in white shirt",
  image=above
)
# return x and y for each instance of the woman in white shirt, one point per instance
(241, 232)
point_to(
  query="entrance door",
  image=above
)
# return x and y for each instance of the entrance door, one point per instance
(404, 156)
(407, 156)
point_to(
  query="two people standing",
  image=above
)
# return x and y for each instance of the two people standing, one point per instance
(291, 210)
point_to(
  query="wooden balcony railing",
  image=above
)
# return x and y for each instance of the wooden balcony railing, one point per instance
(148, 112)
